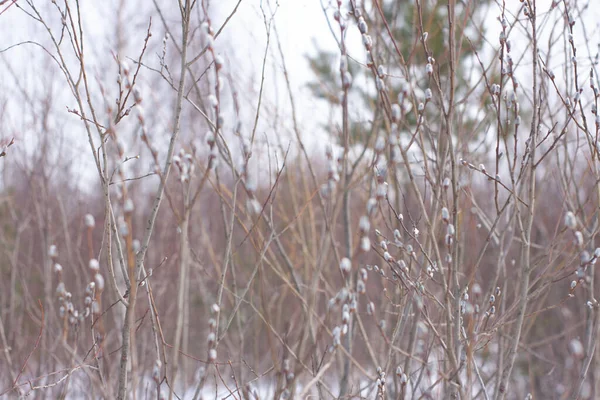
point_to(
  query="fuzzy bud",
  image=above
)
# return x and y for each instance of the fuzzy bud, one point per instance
(367, 41)
(362, 26)
(570, 220)
(212, 99)
(579, 238)
(94, 265)
(89, 221)
(370, 308)
(371, 205)
(365, 244)
(345, 265)
(128, 206)
(212, 355)
(99, 280)
(52, 251)
(445, 215)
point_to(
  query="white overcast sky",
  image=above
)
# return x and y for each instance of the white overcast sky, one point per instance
(301, 25)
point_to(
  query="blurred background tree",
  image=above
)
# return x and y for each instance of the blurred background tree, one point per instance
(407, 71)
